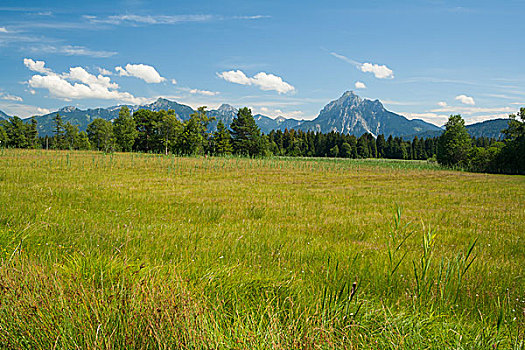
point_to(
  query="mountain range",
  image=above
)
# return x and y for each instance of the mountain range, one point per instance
(3, 116)
(348, 114)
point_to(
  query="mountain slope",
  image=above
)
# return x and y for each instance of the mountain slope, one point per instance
(3, 116)
(489, 128)
(352, 115)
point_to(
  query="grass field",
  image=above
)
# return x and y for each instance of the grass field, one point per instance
(145, 251)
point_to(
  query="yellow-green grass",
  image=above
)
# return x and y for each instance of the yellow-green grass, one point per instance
(147, 251)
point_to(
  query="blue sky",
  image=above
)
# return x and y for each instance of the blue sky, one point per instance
(422, 59)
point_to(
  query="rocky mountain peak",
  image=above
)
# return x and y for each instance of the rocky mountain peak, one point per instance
(68, 109)
(226, 108)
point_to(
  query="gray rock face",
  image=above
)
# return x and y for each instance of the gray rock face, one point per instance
(351, 114)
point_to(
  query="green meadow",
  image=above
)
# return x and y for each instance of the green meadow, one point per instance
(158, 252)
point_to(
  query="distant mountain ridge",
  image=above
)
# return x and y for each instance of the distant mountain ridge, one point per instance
(349, 114)
(3, 116)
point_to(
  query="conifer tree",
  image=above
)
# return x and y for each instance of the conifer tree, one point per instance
(246, 135)
(222, 140)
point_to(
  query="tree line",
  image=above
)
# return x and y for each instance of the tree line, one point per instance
(163, 132)
(456, 149)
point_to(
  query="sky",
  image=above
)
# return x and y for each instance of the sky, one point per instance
(422, 59)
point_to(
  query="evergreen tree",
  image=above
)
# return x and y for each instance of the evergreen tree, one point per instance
(222, 140)
(363, 150)
(246, 135)
(100, 133)
(70, 135)
(381, 146)
(16, 131)
(346, 150)
(194, 137)
(3, 137)
(59, 132)
(32, 133)
(82, 141)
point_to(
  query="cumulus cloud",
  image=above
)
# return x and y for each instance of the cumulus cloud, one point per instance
(80, 74)
(442, 104)
(467, 100)
(235, 76)
(264, 81)
(76, 84)
(360, 85)
(37, 66)
(3, 30)
(141, 71)
(203, 92)
(174, 82)
(379, 71)
(9, 97)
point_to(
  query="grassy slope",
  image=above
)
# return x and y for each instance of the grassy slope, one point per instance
(145, 251)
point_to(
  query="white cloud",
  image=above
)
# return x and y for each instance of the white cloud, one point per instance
(279, 113)
(252, 17)
(346, 59)
(135, 20)
(264, 81)
(9, 97)
(67, 86)
(482, 118)
(272, 82)
(379, 71)
(235, 76)
(434, 118)
(203, 92)
(442, 104)
(467, 100)
(36, 66)
(80, 74)
(140, 19)
(82, 51)
(473, 110)
(22, 110)
(141, 71)
(360, 85)
(70, 50)
(3, 30)
(104, 71)
(174, 82)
